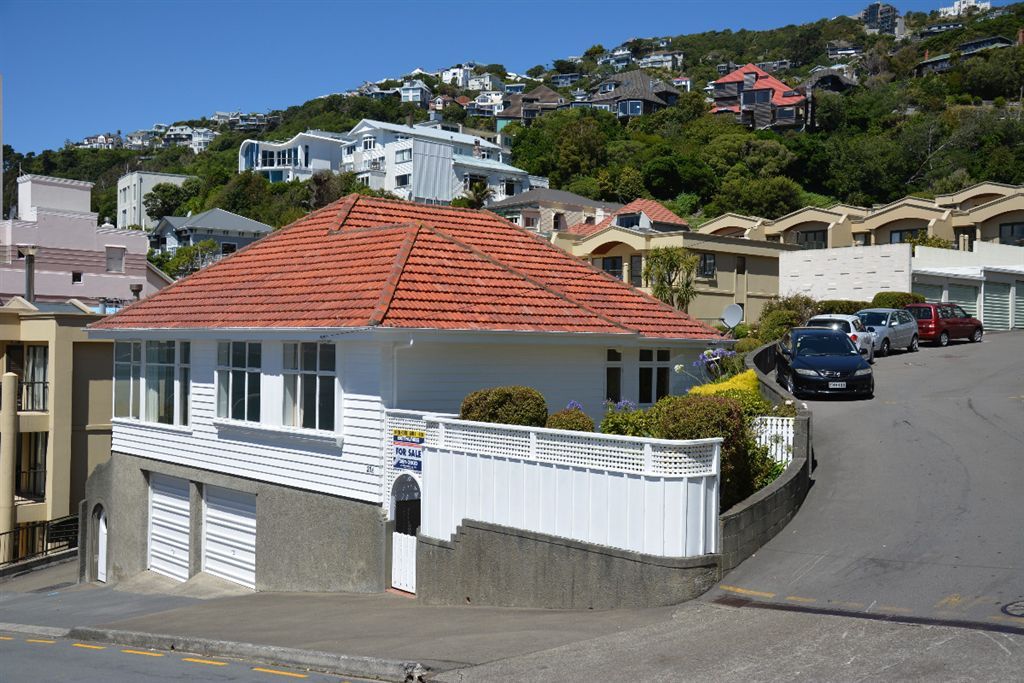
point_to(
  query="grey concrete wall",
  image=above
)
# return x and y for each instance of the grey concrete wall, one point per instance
(750, 524)
(305, 541)
(488, 564)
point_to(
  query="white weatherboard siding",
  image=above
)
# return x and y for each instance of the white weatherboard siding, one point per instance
(168, 526)
(269, 452)
(229, 535)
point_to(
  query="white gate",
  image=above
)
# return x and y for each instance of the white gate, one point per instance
(403, 562)
(101, 549)
(777, 434)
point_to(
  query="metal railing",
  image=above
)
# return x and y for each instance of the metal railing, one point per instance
(31, 484)
(38, 539)
(33, 396)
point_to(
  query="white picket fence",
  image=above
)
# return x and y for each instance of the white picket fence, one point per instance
(646, 495)
(777, 434)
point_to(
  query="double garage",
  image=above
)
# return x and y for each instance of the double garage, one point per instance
(228, 531)
(994, 295)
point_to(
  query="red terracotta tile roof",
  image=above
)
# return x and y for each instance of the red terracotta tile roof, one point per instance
(365, 261)
(764, 81)
(655, 211)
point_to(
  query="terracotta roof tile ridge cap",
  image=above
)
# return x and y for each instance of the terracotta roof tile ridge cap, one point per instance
(387, 294)
(446, 207)
(348, 203)
(537, 283)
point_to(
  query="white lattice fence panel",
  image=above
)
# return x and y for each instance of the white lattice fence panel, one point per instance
(404, 420)
(777, 434)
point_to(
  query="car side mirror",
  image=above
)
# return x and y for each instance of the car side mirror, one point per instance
(894, 323)
(863, 352)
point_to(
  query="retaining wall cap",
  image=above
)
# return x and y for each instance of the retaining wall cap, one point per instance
(325, 662)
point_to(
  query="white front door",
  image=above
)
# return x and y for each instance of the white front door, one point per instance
(403, 562)
(168, 526)
(101, 549)
(229, 535)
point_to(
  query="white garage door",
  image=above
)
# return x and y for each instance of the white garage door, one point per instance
(929, 292)
(996, 306)
(168, 526)
(229, 535)
(1018, 321)
(966, 297)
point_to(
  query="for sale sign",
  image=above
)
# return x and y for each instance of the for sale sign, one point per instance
(408, 444)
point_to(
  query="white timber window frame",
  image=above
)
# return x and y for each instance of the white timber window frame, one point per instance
(239, 377)
(152, 381)
(310, 393)
(654, 376)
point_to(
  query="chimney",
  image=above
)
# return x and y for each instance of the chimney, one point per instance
(408, 119)
(136, 290)
(926, 55)
(1020, 36)
(30, 252)
(477, 153)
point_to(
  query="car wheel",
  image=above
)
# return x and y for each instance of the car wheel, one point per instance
(976, 337)
(914, 344)
(944, 339)
(883, 350)
(790, 384)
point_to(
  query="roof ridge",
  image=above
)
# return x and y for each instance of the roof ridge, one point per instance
(348, 203)
(529, 278)
(387, 294)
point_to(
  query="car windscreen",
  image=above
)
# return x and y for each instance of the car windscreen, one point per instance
(873, 318)
(824, 345)
(840, 325)
(920, 312)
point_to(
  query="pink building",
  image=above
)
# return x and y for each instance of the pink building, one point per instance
(73, 257)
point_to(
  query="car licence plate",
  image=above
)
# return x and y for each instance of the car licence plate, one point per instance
(837, 385)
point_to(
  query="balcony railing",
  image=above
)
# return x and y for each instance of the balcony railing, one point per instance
(31, 484)
(38, 539)
(33, 396)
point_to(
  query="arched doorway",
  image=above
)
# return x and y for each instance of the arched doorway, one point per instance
(405, 506)
(99, 517)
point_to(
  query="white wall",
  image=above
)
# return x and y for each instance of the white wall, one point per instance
(52, 193)
(845, 273)
(984, 254)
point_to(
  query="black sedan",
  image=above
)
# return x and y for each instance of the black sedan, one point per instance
(822, 362)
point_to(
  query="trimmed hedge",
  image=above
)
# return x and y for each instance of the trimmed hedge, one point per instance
(513, 405)
(744, 381)
(747, 344)
(627, 420)
(896, 299)
(803, 305)
(702, 417)
(571, 419)
(841, 306)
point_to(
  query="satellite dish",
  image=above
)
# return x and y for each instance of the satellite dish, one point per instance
(732, 315)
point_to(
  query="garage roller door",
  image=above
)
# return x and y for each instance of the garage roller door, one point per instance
(997, 306)
(929, 292)
(1018, 322)
(229, 535)
(966, 297)
(168, 526)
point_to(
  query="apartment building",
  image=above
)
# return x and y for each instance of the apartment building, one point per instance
(758, 100)
(416, 92)
(961, 7)
(132, 189)
(486, 81)
(661, 59)
(546, 211)
(55, 236)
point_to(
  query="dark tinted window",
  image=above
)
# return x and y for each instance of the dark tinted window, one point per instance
(824, 345)
(840, 325)
(946, 312)
(920, 312)
(959, 312)
(874, 318)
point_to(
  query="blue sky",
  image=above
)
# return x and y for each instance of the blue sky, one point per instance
(71, 69)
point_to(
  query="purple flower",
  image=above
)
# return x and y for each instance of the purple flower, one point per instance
(574, 405)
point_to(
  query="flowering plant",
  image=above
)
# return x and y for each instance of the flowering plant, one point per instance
(712, 365)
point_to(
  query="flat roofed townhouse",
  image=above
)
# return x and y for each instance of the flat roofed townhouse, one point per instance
(260, 403)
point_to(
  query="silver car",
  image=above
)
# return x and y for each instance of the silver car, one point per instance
(852, 327)
(894, 328)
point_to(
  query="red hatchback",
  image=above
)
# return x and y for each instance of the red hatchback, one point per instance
(941, 322)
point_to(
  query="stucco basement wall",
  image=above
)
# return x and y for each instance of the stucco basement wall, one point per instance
(488, 564)
(305, 541)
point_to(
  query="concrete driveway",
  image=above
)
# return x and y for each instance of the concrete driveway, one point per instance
(917, 507)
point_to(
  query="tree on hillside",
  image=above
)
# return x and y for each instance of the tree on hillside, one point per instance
(454, 113)
(767, 197)
(630, 185)
(476, 196)
(191, 257)
(164, 200)
(536, 71)
(670, 272)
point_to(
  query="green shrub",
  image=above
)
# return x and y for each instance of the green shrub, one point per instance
(511, 405)
(778, 323)
(784, 410)
(571, 419)
(626, 419)
(803, 305)
(841, 306)
(751, 402)
(741, 331)
(702, 417)
(747, 344)
(896, 299)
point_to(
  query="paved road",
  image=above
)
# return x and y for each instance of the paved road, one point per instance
(918, 498)
(30, 659)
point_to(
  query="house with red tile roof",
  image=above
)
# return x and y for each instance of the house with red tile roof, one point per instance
(732, 268)
(758, 99)
(273, 389)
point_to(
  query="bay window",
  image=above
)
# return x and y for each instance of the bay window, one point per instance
(309, 385)
(127, 379)
(152, 382)
(238, 380)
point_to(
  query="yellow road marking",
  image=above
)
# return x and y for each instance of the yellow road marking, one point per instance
(143, 653)
(1015, 620)
(6, 638)
(894, 608)
(797, 598)
(204, 661)
(40, 640)
(88, 647)
(279, 673)
(949, 601)
(746, 591)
